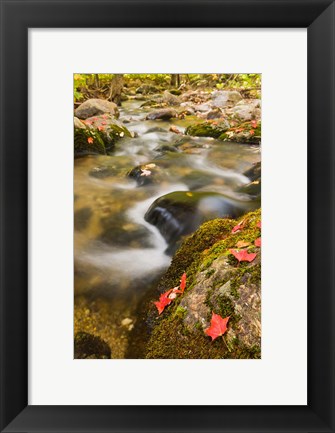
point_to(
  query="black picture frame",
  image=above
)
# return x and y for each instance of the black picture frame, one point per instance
(318, 16)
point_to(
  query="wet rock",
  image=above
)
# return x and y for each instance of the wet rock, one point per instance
(94, 107)
(224, 98)
(163, 114)
(164, 148)
(103, 171)
(119, 232)
(198, 179)
(88, 346)
(254, 173)
(146, 174)
(180, 213)
(252, 189)
(82, 218)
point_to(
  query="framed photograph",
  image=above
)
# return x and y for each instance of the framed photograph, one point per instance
(150, 280)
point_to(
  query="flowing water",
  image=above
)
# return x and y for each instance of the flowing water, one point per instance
(118, 255)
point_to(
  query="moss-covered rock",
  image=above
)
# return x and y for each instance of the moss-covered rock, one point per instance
(246, 132)
(216, 282)
(208, 129)
(87, 141)
(98, 134)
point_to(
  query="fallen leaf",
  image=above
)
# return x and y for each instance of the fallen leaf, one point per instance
(243, 255)
(164, 300)
(218, 326)
(145, 172)
(258, 242)
(90, 140)
(242, 244)
(252, 132)
(254, 123)
(238, 227)
(183, 282)
(259, 224)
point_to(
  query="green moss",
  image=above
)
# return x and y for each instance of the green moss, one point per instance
(243, 133)
(171, 338)
(190, 253)
(207, 129)
(87, 141)
(180, 312)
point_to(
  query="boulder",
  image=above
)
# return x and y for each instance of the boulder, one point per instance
(246, 112)
(181, 212)
(88, 142)
(216, 283)
(94, 107)
(146, 174)
(208, 129)
(170, 99)
(107, 128)
(163, 114)
(225, 98)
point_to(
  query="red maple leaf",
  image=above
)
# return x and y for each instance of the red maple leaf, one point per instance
(243, 255)
(164, 300)
(238, 227)
(90, 140)
(183, 282)
(218, 326)
(254, 123)
(258, 242)
(259, 224)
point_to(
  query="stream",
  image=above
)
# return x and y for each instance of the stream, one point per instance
(118, 255)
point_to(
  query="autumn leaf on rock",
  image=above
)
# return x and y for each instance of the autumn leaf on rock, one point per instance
(252, 132)
(243, 255)
(164, 300)
(90, 140)
(183, 282)
(238, 227)
(218, 326)
(254, 123)
(258, 242)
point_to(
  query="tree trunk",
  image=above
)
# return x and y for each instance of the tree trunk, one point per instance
(116, 87)
(96, 81)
